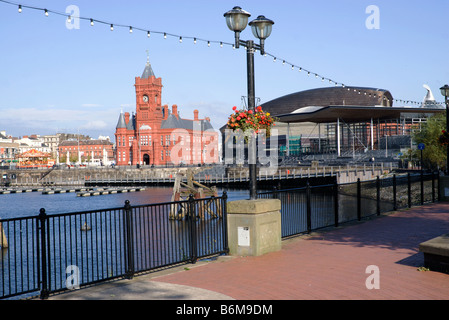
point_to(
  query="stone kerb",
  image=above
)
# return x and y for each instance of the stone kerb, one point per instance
(254, 227)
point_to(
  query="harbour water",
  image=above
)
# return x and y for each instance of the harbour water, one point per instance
(17, 205)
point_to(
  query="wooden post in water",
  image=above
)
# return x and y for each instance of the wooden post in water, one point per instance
(3, 239)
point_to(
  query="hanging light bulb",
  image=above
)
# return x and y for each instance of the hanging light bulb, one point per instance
(180, 39)
(165, 35)
(293, 67)
(69, 19)
(130, 29)
(20, 8)
(148, 34)
(194, 40)
(221, 44)
(208, 43)
(46, 12)
(299, 69)
(274, 60)
(91, 22)
(112, 27)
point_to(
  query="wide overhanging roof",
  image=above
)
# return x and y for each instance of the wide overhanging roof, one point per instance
(351, 114)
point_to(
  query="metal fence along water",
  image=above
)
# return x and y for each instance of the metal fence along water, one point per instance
(51, 253)
(315, 207)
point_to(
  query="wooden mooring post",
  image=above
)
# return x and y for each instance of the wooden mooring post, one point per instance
(178, 211)
(3, 239)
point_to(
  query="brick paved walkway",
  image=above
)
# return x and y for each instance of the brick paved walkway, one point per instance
(332, 264)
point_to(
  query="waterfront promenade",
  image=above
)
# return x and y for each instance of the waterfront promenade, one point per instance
(330, 264)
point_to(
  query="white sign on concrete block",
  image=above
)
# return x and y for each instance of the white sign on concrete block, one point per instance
(243, 236)
(446, 192)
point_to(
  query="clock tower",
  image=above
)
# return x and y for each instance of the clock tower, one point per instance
(154, 135)
(148, 98)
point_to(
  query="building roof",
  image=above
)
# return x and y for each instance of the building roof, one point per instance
(131, 123)
(350, 104)
(172, 122)
(147, 72)
(331, 96)
(68, 143)
(351, 114)
(121, 121)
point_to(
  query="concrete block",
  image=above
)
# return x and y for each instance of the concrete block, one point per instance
(436, 253)
(254, 227)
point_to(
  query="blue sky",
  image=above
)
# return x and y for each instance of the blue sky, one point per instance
(53, 79)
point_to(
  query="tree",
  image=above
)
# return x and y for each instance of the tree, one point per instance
(434, 154)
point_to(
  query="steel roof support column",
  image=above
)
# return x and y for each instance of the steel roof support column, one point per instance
(338, 138)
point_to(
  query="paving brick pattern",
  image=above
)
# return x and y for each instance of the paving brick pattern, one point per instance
(332, 264)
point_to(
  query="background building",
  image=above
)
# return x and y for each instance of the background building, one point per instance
(86, 151)
(155, 135)
(348, 120)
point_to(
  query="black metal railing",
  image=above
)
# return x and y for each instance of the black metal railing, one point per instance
(52, 253)
(315, 207)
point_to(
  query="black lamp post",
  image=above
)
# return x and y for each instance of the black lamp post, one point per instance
(445, 93)
(237, 20)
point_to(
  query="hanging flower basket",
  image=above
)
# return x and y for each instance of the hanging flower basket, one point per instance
(443, 138)
(251, 122)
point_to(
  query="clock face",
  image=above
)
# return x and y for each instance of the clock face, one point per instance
(145, 98)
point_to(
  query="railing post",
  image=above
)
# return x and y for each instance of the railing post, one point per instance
(433, 186)
(394, 193)
(409, 190)
(378, 195)
(359, 199)
(275, 193)
(192, 222)
(438, 188)
(309, 208)
(129, 244)
(224, 215)
(336, 220)
(422, 187)
(43, 256)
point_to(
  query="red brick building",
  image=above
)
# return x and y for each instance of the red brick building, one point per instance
(86, 151)
(155, 135)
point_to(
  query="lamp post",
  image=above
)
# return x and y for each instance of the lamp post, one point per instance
(237, 20)
(445, 93)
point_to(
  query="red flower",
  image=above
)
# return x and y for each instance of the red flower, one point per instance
(238, 118)
(234, 108)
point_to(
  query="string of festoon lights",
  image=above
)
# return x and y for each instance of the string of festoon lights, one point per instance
(195, 40)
